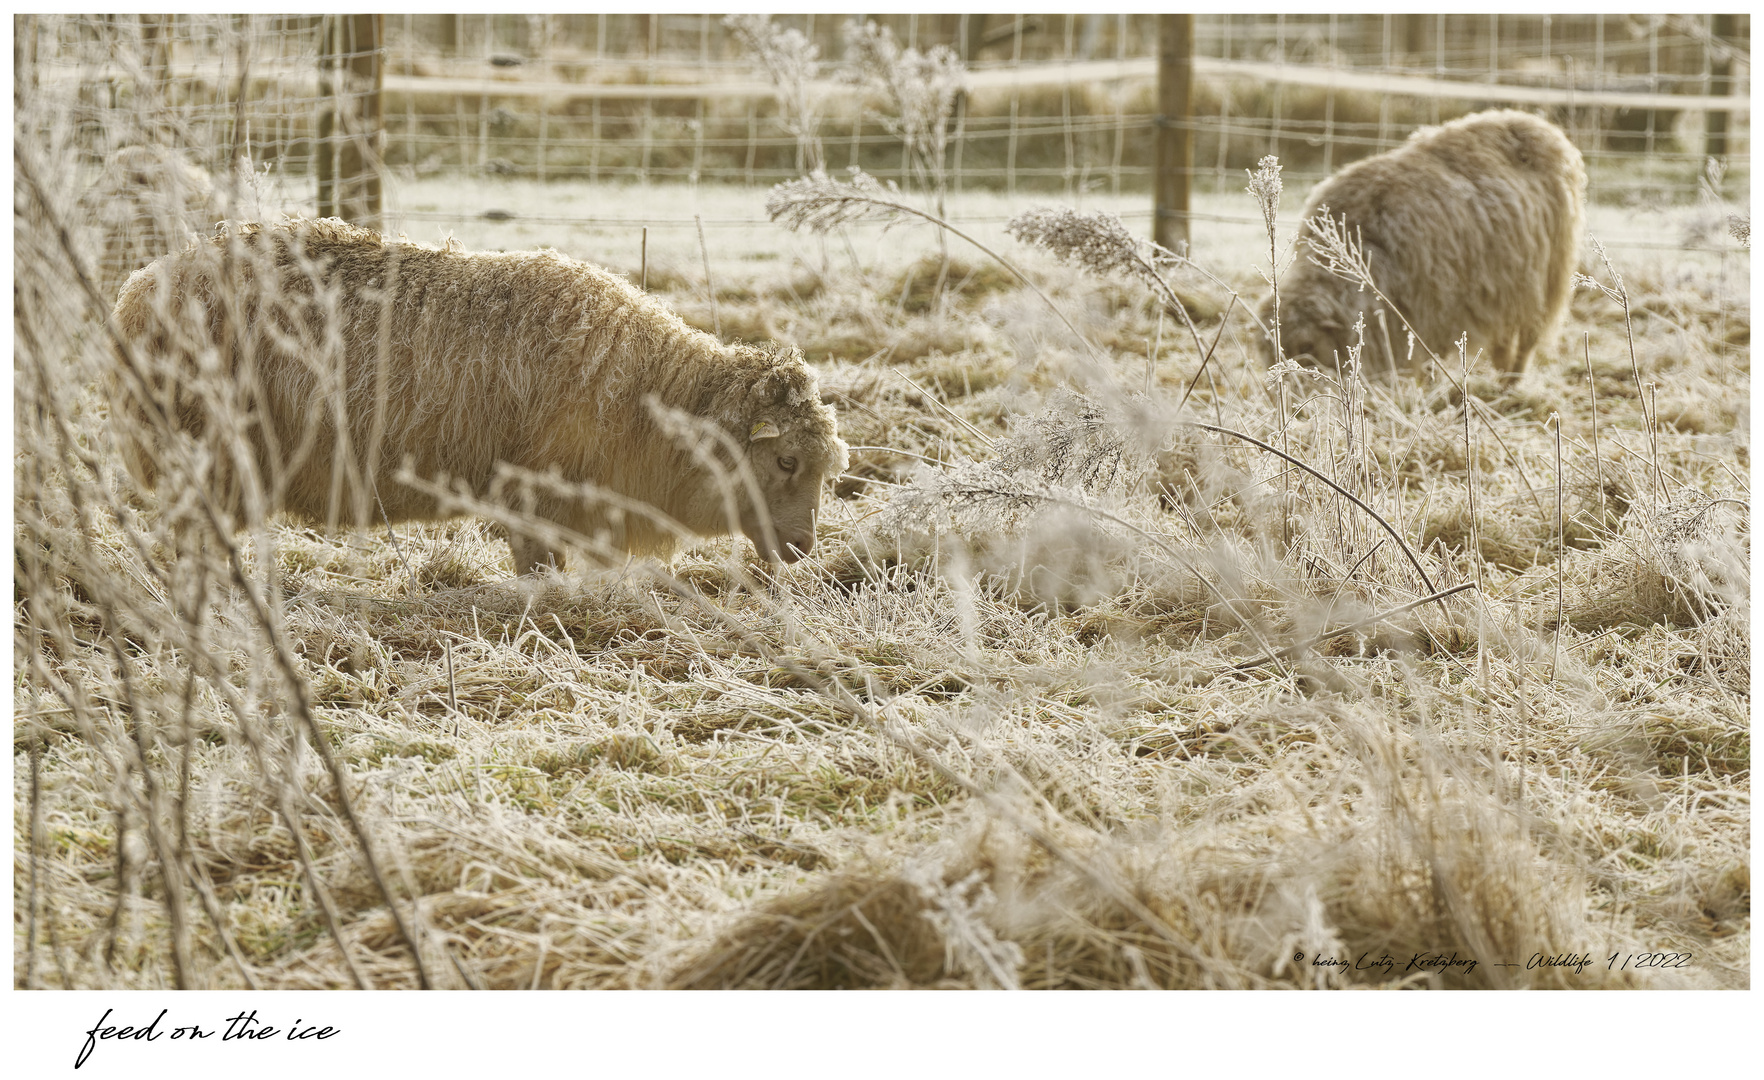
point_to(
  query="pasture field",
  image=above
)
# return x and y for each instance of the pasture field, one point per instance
(1071, 694)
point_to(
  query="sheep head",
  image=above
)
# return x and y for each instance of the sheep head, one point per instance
(792, 445)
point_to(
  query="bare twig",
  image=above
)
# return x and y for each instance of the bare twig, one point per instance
(1592, 395)
(928, 396)
(710, 286)
(1207, 358)
(1350, 496)
(1618, 293)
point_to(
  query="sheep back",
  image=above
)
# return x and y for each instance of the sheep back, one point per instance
(1469, 228)
(352, 355)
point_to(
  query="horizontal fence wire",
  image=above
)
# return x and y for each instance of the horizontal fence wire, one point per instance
(1055, 105)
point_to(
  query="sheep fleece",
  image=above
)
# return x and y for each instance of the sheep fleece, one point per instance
(529, 358)
(1472, 227)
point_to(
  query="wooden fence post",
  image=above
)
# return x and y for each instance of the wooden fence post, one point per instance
(351, 131)
(1175, 151)
(1720, 84)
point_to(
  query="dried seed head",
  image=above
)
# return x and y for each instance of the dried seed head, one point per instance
(788, 57)
(792, 62)
(1098, 242)
(1264, 184)
(920, 88)
(820, 203)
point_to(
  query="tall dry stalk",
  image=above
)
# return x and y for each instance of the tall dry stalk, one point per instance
(1592, 397)
(710, 285)
(915, 94)
(1618, 293)
(1265, 187)
(792, 63)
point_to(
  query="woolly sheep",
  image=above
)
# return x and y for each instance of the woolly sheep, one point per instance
(526, 358)
(1472, 227)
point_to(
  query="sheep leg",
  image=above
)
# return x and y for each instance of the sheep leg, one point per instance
(531, 554)
(1500, 355)
(1522, 352)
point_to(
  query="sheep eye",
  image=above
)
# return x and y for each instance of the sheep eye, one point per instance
(788, 464)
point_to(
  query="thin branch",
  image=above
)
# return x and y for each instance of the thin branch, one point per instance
(1345, 493)
(1224, 319)
(976, 432)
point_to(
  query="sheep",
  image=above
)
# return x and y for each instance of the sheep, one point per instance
(1472, 227)
(347, 355)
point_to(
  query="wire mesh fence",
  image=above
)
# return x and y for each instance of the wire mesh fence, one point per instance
(1064, 102)
(1050, 105)
(212, 87)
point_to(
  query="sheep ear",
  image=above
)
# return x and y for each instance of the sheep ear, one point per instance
(765, 429)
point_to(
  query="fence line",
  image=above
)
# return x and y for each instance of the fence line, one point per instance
(1088, 73)
(1422, 87)
(1026, 77)
(1056, 105)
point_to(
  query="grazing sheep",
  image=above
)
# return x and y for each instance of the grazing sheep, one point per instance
(268, 336)
(1470, 227)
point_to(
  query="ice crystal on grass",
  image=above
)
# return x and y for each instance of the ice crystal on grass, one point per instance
(1072, 452)
(970, 498)
(958, 910)
(820, 203)
(1681, 565)
(1616, 292)
(1074, 442)
(1045, 517)
(1335, 250)
(1704, 546)
(1098, 242)
(1265, 185)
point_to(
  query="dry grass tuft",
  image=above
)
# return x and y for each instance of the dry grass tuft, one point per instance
(929, 281)
(1393, 876)
(1684, 564)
